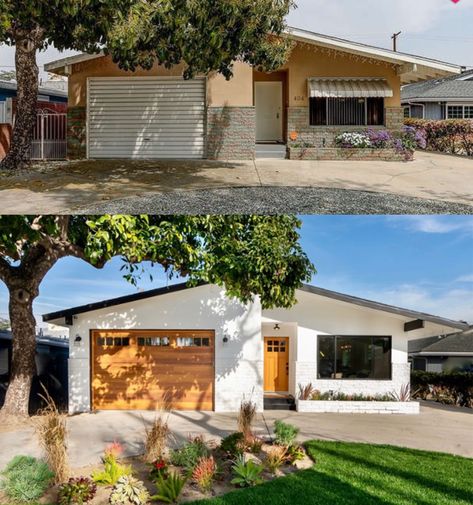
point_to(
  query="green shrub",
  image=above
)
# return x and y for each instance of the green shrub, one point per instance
(454, 388)
(112, 471)
(234, 444)
(356, 397)
(448, 136)
(169, 489)
(25, 479)
(285, 434)
(129, 491)
(188, 456)
(77, 491)
(295, 453)
(247, 474)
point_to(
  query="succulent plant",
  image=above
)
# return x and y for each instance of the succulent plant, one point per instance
(129, 491)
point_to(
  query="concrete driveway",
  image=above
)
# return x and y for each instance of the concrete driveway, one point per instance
(70, 186)
(436, 428)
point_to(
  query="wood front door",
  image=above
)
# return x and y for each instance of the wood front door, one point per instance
(150, 370)
(276, 364)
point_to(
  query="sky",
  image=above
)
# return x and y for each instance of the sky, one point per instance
(423, 263)
(439, 29)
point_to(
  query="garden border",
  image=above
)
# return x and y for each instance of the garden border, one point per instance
(355, 407)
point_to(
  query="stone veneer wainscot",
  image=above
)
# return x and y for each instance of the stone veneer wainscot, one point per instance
(76, 133)
(231, 133)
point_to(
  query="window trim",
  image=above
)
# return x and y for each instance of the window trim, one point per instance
(335, 357)
(462, 105)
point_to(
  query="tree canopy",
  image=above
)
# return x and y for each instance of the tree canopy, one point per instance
(248, 254)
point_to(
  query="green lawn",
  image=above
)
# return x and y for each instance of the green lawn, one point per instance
(362, 474)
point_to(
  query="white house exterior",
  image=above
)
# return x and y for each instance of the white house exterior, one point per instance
(240, 340)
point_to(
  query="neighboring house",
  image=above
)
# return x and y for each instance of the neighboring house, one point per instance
(51, 367)
(446, 353)
(196, 349)
(53, 100)
(328, 85)
(446, 98)
(48, 139)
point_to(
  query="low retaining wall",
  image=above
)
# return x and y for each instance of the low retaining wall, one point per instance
(339, 153)
(347, 407)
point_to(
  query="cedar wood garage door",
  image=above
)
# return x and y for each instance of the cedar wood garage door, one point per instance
(149, 370)
(146, 118)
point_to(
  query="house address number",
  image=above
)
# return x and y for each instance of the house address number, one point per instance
(299, 98)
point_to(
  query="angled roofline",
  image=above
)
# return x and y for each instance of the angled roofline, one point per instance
(427, 66)
(112, 302)
(394, 56)
(383, 307)
(458, 99)
(306, 288)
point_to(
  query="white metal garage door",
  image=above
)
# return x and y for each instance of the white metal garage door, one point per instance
(146, 117)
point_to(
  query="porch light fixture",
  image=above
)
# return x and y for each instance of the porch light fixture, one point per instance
(225, 339)
(77, 340)
(277, 327)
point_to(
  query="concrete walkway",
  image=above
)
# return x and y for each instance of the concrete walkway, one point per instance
(437, 428)
(65, 187)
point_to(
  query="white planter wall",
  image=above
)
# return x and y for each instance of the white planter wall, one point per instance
(347, 407)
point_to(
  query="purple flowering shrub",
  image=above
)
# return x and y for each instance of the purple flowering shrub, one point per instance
(405, 142)
(453, 136)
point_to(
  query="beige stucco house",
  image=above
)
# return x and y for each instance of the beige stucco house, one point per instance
(328, 85)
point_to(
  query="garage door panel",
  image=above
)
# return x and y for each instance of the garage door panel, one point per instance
(151, 369)
(168, 113)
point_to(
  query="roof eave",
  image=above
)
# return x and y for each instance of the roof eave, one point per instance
(426, 68)
(370, 304)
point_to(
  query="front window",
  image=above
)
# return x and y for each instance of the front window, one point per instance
(346, 357)
(346, 111)
(460, 112)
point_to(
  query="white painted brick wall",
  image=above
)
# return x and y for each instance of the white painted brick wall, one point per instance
(245, 382)
(346, 407)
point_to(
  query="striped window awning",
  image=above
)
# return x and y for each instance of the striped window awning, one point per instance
(349, 88)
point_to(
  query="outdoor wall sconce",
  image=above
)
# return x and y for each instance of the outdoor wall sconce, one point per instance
(225, 339)
(77, 340)
(277, 327)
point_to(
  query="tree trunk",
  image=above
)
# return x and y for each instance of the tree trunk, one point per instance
(27, 95)
(23, 368)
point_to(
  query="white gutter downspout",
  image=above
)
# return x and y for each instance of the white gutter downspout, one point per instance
(419, 105)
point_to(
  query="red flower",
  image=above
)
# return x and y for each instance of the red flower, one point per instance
(159, 465)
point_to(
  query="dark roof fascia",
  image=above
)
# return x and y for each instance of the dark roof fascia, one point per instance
(362, 302)
(116, 301)
(307, 288)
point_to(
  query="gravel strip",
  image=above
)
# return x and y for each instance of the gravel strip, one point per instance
(275, 200)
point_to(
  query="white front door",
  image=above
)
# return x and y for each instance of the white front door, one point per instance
(269, 113)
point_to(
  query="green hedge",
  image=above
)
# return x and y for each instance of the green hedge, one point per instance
(453, 136)
(453, 388)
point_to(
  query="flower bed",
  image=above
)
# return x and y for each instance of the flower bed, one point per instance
(313, 400)
(357, 407)
(363, 145)
(195, 470)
